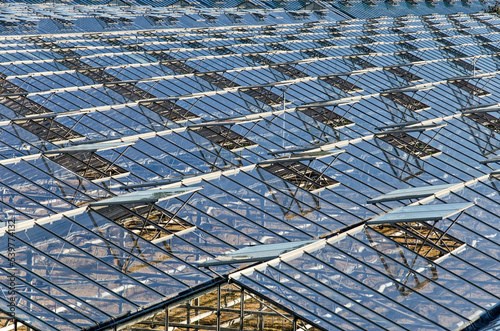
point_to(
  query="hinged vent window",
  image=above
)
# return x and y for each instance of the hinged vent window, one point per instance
(313, 53)
(263, 95)
(146, 220)
(414, 227)
(324, 43)
(486, 120)
(367, 40)
(333, 31)
(177, 66)
(24, 106)
(465, 65)
(406, 75)
(406, 101)
(224, 137)
(364, 49)
(7, 87)
(89, 165)
(130, 90)
(409, 57)
(279, 47)
(223, 50)
(408, 46)
(410, 144)
(300, 175)
(361, 62)
(326, 116)
(289, 70)
(138, 211)
(421, 238)
(49, 129)
(217, 80)
(257, 58)
(170, 110)
(194, 44)
(341, 84)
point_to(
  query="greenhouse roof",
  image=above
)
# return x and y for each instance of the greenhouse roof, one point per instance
(338, 163)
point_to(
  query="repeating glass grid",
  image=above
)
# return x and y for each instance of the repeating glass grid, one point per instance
(205, 100)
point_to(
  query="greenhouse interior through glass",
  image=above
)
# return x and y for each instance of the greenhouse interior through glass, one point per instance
(238, 165)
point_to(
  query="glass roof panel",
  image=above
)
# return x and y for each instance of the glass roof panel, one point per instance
(254, 253)
(409, 101)
(410, 193)
(421, 213)
(148, 196)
